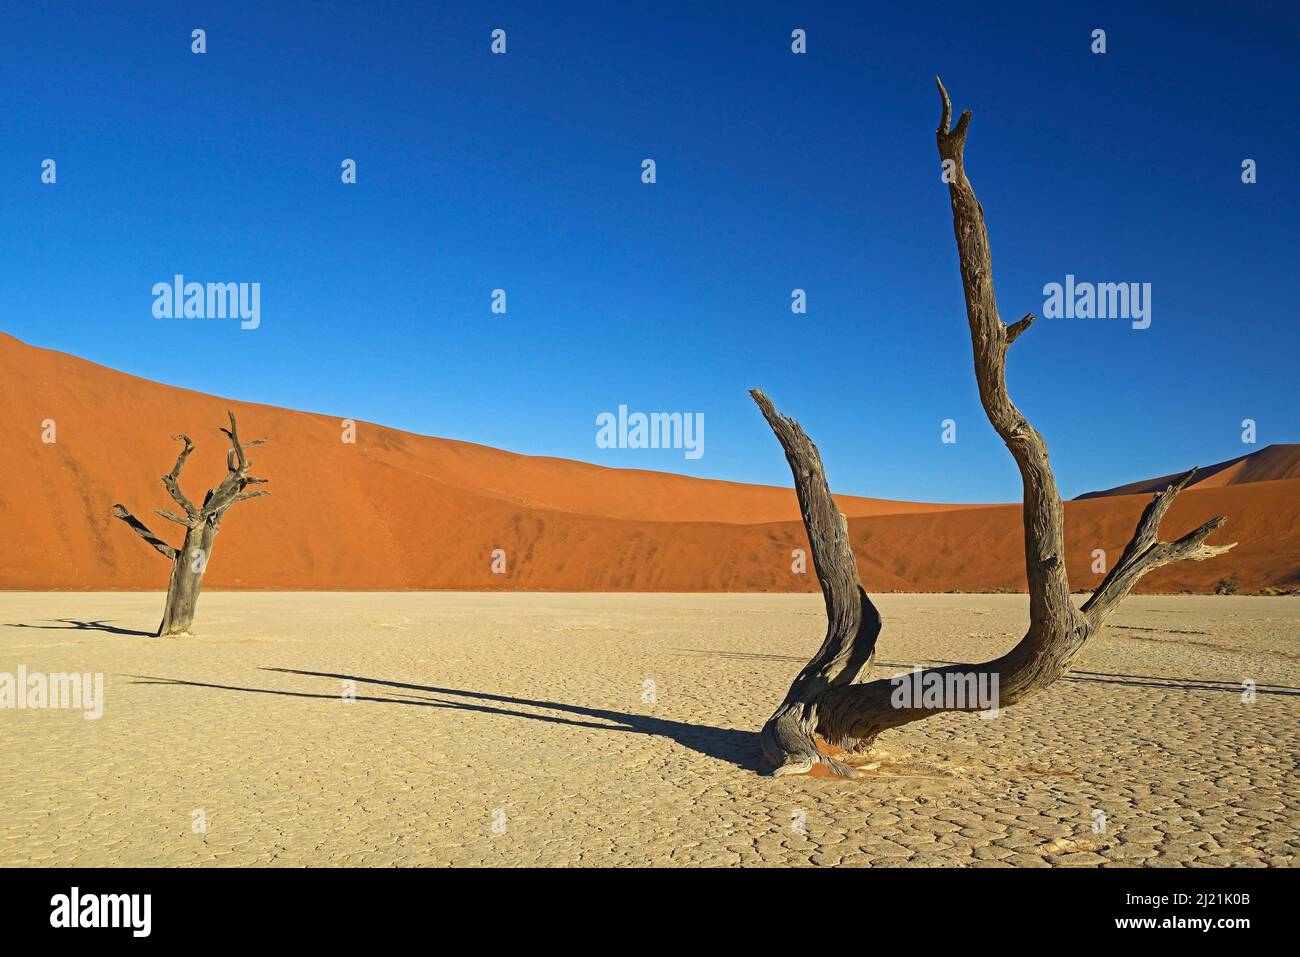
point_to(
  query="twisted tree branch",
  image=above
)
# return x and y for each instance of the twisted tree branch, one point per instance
(173, 517)
(853, 623)
(172, 479)
(119, 511)
(1145, 552)
(231, 489)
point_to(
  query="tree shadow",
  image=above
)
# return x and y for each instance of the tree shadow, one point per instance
(1100, 677)
(73, 624)
(740, 748)
(1142, 681)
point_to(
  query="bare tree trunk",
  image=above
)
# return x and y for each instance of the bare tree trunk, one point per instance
(186, 581)
(824, 701)
(201, 525)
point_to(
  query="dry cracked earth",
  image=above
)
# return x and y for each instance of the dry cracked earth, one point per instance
(534, 729)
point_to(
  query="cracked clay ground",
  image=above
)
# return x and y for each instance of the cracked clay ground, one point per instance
(519, 730)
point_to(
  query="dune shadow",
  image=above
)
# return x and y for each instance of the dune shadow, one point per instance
(73, 624)
(739, 748)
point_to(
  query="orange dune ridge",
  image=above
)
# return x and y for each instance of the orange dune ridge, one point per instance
(402, 511)
(1270, 464)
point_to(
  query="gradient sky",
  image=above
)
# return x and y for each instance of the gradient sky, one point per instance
(775, 171)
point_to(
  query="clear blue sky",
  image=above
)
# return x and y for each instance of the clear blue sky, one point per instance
(775, 171)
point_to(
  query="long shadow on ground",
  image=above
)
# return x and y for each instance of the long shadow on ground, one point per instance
(73, 624)
(740, 748)
(1100, 677)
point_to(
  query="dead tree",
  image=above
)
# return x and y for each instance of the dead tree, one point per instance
(201, 524)
(824, 701)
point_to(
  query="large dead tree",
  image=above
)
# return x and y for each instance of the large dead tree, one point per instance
(201, 524)
(824, 702)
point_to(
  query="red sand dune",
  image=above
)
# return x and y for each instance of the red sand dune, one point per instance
(1270, 464)
(403, 511)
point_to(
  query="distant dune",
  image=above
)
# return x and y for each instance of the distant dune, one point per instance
(403, 511)
(1270, 464)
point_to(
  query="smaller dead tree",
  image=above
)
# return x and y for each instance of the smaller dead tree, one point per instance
(201, 524)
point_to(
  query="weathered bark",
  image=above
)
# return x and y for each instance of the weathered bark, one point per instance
(853, 623)
(187, 580)
(201, 523)
(824, 700)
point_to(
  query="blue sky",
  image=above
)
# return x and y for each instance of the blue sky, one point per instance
(774, 172)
